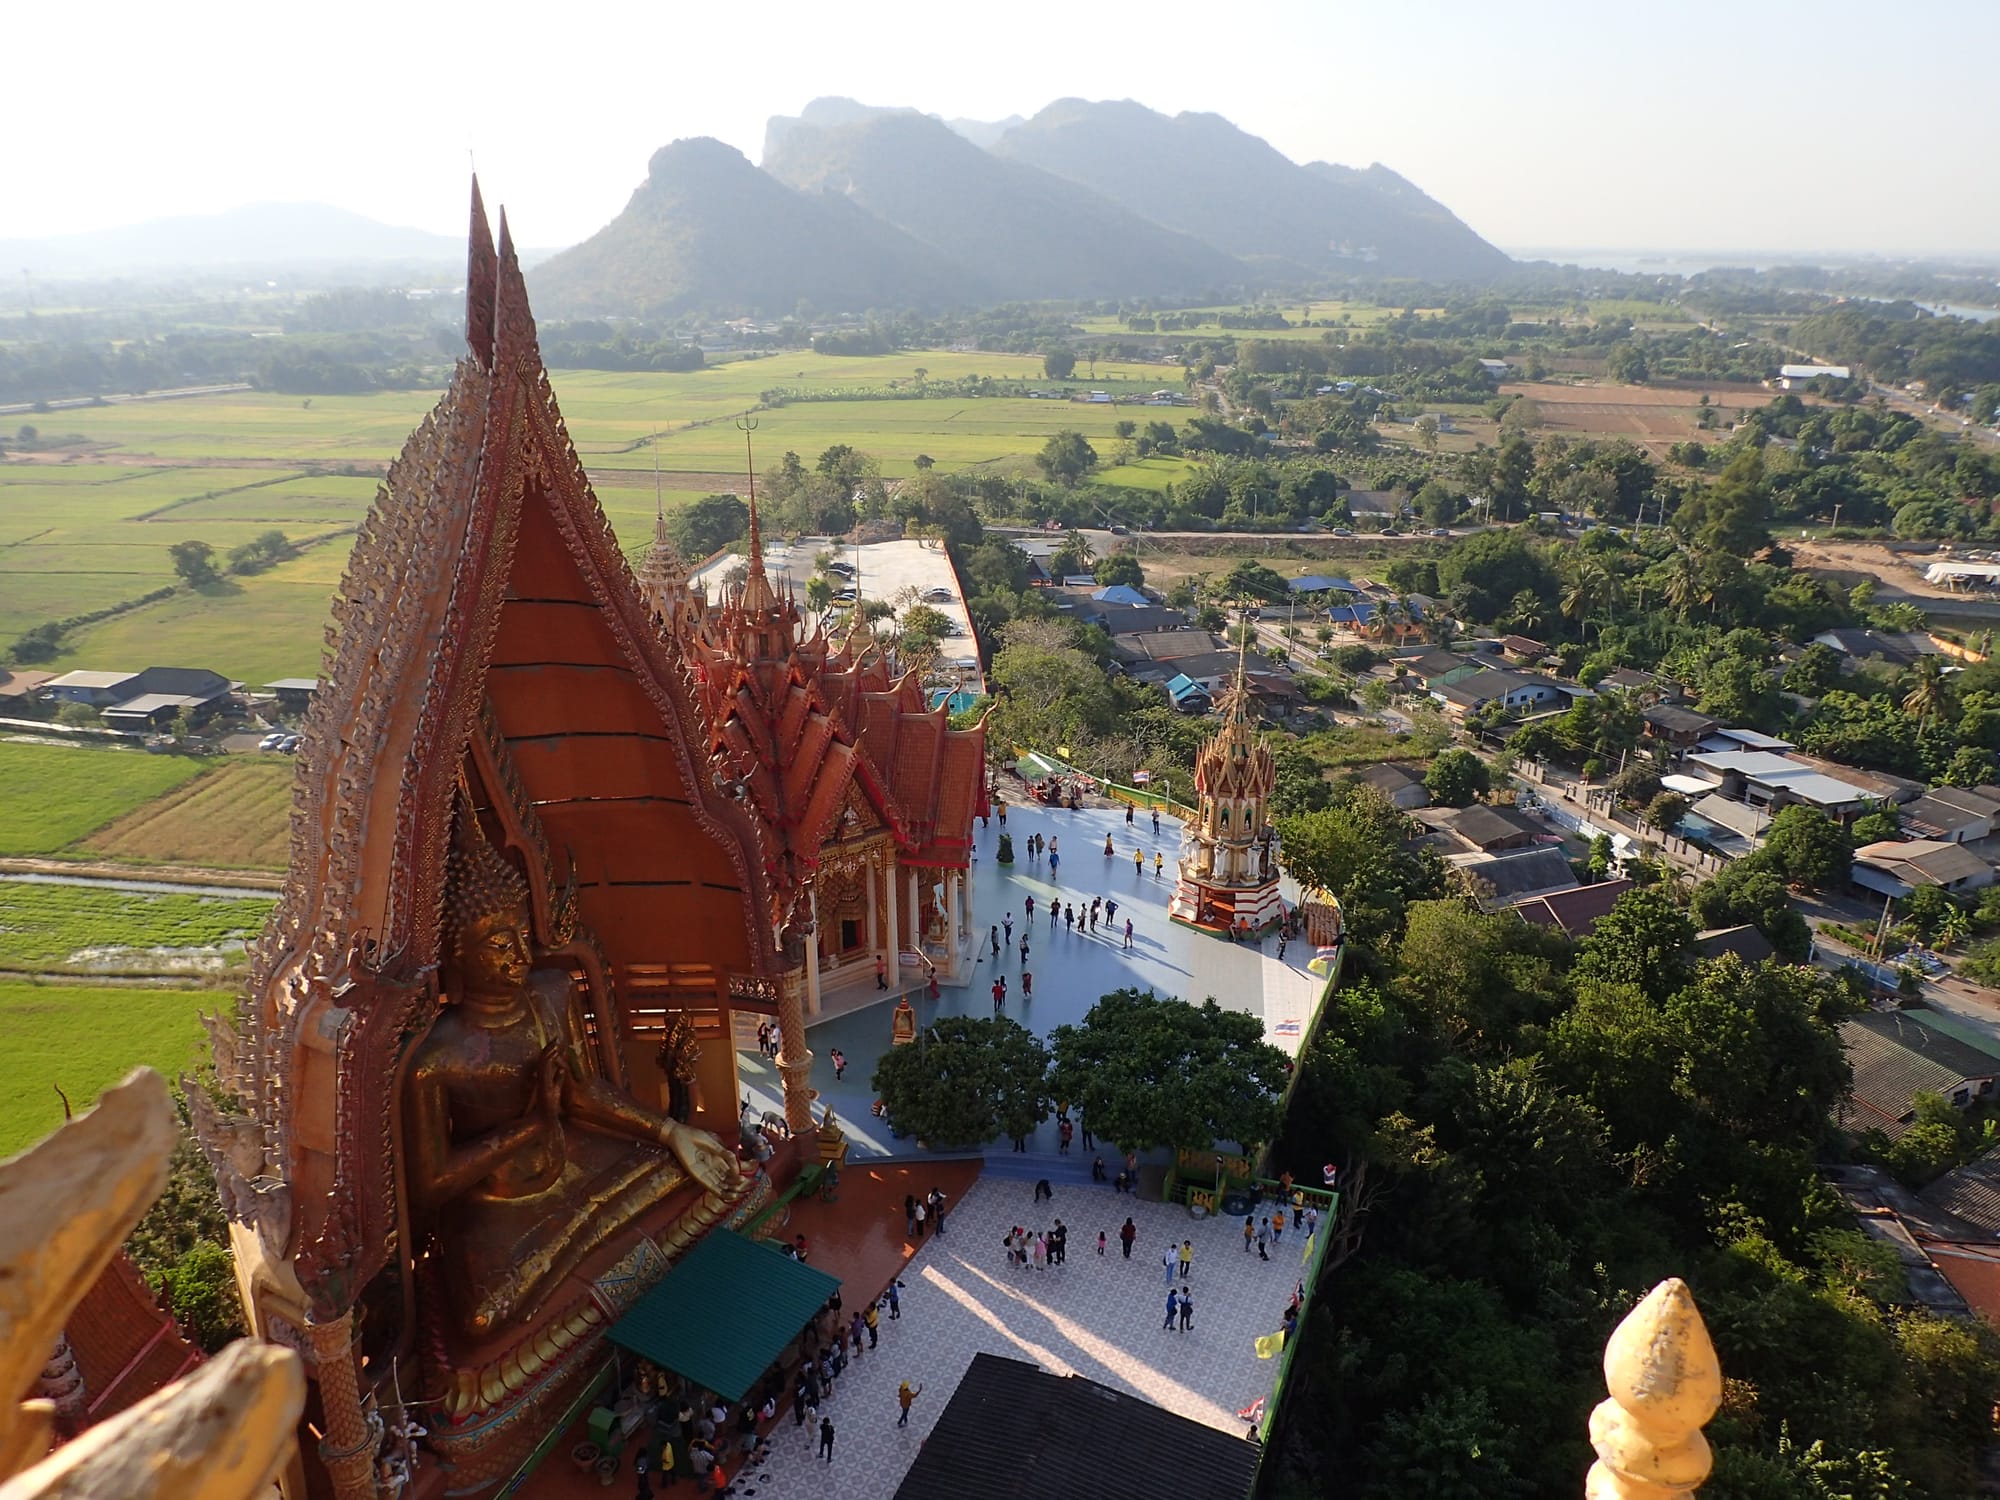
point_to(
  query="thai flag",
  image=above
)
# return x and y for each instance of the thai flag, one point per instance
(1142, 778)
(1287, 1028)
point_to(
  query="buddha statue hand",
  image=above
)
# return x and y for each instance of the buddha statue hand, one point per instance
(707, 1160)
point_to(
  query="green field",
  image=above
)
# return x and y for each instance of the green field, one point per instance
(92, 533)
(77, 929)
(55, 795)
(82, 1039)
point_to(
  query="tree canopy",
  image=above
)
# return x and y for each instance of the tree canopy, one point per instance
(1153, 1071)
(967, 1080)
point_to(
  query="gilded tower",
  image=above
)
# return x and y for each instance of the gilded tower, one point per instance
(1228, 861)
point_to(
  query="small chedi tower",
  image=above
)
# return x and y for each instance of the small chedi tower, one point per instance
(1228, 862)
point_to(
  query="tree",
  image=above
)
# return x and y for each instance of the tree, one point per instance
(1120, 568)
(1930, 693)
(1808, 848)
(1666, 810)
(194, 561)
(1426, 429)
(1358, 847)
(966, 1080)
(1457, 778)
(1640, 942)
(201, 1289)
(1251, 579)
(1124, 428)
(1066, 458)
(1152, 1071)
(1058, 362)
(709, 524)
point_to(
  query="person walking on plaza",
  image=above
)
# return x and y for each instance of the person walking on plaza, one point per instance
(996, 942)
(1138, 862)
(1126, 1235)
(872, 1319)
(1063, 1133)
(1186, 1257)
(1249, 1231)
(1108, 850)
(1159, 863)
(1097, 1170)
(1007, 924)
(1100, 1244)
(1028, 911)
(909, 1216)
(1281, 947)
(1055, 863)
(1069, 917)
(1043, 1190)
(881, 972)
(839, 1061)
(937, 1201)
(1187, 1308)
(922, 1214)
(999, 993)
(1024, 950)
(1263, 1240)
(1167, 1263)
(1110, 911)
(1055, 914)
(858, 1330)
(826, 1438)
(1128, 934)
(1278, 1227)
(1156, 820)
(1129, 810)
(895, 1301)
(906, 1395)
(799, 1403)
(1039, 1250)
(1027, 979)
(1059, 1244)
(1173, 1311)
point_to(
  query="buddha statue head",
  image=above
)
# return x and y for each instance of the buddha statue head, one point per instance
(486, 914)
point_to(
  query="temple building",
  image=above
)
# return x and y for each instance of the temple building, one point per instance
(551, 834)
(872, 792)
(1228, 863)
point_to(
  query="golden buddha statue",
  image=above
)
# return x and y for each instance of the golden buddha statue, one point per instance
(521, 1159)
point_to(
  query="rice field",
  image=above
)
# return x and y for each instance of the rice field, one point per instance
(82, 1039)
(79, 929)
(237, 816)
(52, 796)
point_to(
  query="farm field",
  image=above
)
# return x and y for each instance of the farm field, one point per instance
(83, 1039)
(78, 929)
(1654, 417)
(237, 816)
(58, 794)
(91, 534)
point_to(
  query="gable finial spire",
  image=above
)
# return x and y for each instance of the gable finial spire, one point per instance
(748, 425)
(482, 282)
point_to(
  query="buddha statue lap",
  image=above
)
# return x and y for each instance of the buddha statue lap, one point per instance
(521, 1160)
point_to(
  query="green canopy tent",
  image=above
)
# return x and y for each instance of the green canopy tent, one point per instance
(725, 1313)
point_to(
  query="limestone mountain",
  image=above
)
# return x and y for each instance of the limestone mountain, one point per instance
(708, 232)
(1013, 227)
(1201, 174)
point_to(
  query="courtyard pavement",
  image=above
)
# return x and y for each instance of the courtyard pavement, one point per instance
(1095, 1317)
(1071, 969)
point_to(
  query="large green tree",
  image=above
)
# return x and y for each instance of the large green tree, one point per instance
(1066, 458)
(1153, 1071)
(1360, 848)
(965, 1080)
(709, 524)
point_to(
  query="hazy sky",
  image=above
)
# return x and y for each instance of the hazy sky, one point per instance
(1601, 123)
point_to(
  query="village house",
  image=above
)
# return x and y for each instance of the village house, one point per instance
(1896, 868)
(1896, 1056)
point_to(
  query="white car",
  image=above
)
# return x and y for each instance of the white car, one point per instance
(271, 741)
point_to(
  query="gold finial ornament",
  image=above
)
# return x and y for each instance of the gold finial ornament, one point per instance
(1665, 1384)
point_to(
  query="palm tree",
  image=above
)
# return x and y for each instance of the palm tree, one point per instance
(1930, 694)
(1952, 928)
(1586, 587)
(1683, 582)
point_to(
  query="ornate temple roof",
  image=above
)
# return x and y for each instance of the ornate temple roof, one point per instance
(1235, 762)
(799, 720)
(125, 1344)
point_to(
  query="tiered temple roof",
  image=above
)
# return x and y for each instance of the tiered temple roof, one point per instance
(1236, 763)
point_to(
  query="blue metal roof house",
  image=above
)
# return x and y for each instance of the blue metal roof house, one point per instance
(1187, 695)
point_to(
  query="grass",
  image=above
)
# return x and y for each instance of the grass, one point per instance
(238, 816)
(83, 1039)
(77, 929)
(55, 795)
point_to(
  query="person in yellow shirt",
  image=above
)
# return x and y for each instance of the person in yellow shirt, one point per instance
(1159, 862)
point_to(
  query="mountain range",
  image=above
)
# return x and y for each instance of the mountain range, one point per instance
(856, 206)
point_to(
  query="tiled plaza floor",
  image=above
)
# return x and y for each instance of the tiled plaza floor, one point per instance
(1099, 1318)
(1071, 969)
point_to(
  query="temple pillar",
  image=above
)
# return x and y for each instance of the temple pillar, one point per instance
(812, 957)
(348, 1449)
(874, 921)
(954, 938)
(794, 1057)
(916, 914)
(893, 952)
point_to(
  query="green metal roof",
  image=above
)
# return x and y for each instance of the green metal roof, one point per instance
(724, 1312)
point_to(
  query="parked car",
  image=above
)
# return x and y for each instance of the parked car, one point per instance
(844, 569)
(290, 744)
(272, 741)
(1121, 531)
(938, 596)
(1343, 531)
(1440, 531)
(1388, 531)
(846, 596)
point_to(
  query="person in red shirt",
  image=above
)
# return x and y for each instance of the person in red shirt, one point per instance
(999, 991)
